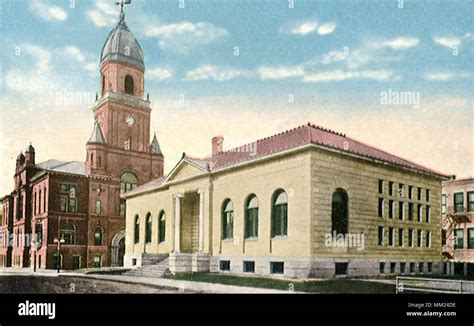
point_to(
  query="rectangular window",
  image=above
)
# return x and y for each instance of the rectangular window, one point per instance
(62, 204)
(39, 233)
(402, 267)
(72, 205)
(224, 265)
(427, 195)
(381, 209)
(410, 192)
(122, 207)
(470, 201)
(458, 202)
(412, 267)
(430, 267)
(401, 211)
(411, 234)
(400, 190)
(421, 267)
(470, 238)
(97, 261)
(443, 204)
(419, 238)
(420, 213)
(428, 214)
(390, 188)
(458, 238)
(391, 208)
(277, 267)
(98, 206)
(400, 237)
(249, 267)
(393, 267)
(391, 236)
(341, 268)
(380, 236)
(380, 186)
(428, 239)
(443, 237)
(419, 193)
(410, 211)
(382, 267)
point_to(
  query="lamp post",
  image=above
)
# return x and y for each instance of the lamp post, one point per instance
(58, 252)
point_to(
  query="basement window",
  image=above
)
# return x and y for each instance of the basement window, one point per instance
(249, 267)
(277, 267)
(341, 268)
(224, 265)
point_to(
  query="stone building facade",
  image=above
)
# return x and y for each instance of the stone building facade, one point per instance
(457, 208)
(308, 202)
(78, 203)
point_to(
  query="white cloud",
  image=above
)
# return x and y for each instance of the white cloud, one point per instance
(340, 75)
(272, 73)
(447, 76)
(75, 53)
(104, 14)
(46, 11)
(159, 73)
(448, 42)
(305, 28)
(91, 67)
(182, 37)
(31, 80)
(326, 29)
(399, 43)
(207, 72)
(308, 27)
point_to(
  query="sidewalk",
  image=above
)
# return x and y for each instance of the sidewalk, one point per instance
(182, 286)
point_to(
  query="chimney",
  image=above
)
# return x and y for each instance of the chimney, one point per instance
(217, 143)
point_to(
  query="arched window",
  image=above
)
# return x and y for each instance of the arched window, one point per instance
(227, 219)
(279, 213)
(161, 227)
(137, 229)
(92, 159)
(251, 217)
(148, 228)
(129, 85)
(128, 181)
(103, 84)
(68, 233)
(99, 161)
(340, 211)
(98, 234)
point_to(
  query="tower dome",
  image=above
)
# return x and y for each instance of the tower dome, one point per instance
(122, 46)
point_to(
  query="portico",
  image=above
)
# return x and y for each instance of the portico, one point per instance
(189, 220)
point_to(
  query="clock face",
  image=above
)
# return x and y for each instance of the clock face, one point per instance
(130, 120)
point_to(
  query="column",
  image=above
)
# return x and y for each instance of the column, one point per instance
(201, 219)
(177, 220)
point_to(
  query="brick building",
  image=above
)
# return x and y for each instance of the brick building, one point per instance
(79, 202)
(457, 208)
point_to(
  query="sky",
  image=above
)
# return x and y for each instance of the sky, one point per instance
(395, 74)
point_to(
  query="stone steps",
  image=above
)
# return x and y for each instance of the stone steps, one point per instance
(159, 268)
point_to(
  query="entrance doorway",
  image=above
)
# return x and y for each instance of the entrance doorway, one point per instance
(118, 249)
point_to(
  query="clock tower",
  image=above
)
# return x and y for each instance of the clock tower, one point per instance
(121, 137)
(120, 155)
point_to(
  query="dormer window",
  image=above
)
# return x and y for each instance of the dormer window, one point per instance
(129, 85)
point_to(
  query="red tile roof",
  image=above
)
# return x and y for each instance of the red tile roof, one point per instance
(303, 135)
